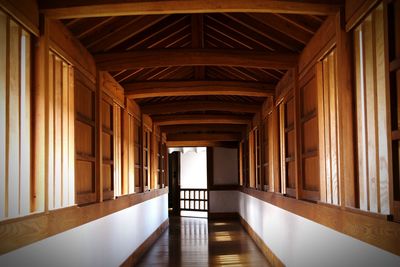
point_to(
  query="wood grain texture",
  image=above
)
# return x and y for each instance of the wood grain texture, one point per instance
(20, 232)
(356, 11)
(151, 58)
(370, 229)
(79, 9)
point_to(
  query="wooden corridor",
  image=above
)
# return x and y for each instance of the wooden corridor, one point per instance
(199, 242)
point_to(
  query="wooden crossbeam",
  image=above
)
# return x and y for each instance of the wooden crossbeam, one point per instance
(200, 119)
(153, 58)
(205, 137)
(231, 144)
(196, 88)
(192, 106)
(64, 9)
(203, 128)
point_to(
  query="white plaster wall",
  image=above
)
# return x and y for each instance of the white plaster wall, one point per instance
(106, 242)
(224, 201)
(297, 241)
(194, 169)
(225, 165)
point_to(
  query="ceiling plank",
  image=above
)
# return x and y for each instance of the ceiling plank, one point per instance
(152, 58)
(64, 9)
(193, 106)
(162, 120)
(204, 137)
(196, 88)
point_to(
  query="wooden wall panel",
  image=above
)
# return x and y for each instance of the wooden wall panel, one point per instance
(107, 139)
(60, 108)
(85, 131)
(372, 113)
(328, 128)
(15, 119)
(393, 38)
(3, 114)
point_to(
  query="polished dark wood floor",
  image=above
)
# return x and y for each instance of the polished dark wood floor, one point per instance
(198, 242)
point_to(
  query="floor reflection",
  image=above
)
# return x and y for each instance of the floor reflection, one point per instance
(198, 242)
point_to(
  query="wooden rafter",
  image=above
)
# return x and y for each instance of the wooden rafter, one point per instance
(193, 106)
(200, 119)
(198, 42)
(64, 9)
(152, 58)
(195, 88)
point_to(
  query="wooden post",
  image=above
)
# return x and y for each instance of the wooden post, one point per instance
(297, 133)
(346, 114)
(98, 140)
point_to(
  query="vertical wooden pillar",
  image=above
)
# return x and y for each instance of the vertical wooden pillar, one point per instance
(297, 133)
(39, 189)
(346, 113)
(98, 140)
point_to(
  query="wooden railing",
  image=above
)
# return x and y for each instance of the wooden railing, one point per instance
(194, 199)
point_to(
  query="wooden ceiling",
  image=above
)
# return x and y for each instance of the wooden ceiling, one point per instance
(195, 58)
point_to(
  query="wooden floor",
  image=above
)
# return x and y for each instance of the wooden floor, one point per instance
(197, 242)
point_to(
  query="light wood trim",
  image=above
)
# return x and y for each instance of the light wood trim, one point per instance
(202, 119)
(23, 231)
(26, 12)
(79, 9)
(191, 106)
(370, 229)
(268, 253)
(205, 137)
(134, 258)
(152, 58)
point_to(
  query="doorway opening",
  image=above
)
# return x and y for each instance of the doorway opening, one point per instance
(188, 181)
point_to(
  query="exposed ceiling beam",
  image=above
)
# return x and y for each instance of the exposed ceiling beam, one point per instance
(205, 128)
(196, 88)
(193, 106)
(153, 58)
(64, 9)
(205, 137)
(200, 119)
(202, 144)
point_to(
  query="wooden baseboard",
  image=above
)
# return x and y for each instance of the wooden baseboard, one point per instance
(271, 257)
(223, 216)
(134, 258)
